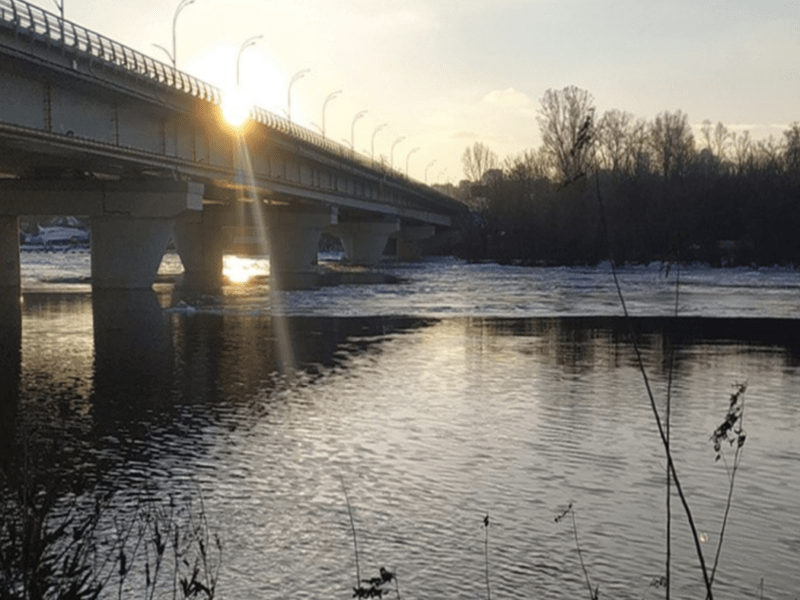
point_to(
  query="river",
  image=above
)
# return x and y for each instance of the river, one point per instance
(439, 395)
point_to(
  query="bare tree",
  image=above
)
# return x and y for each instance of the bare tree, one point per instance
(528, 165)
(718, 139)
(622, 145)
(672, 142)
(566, 121)
(743, 152)
(477, 160)
(792, 153)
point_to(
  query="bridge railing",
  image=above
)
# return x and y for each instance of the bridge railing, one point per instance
(25, 19)
(49, 28)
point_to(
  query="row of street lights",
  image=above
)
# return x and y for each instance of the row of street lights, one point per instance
(251, 41)
(173, 57)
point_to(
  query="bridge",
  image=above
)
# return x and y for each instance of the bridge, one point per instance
(89, 127)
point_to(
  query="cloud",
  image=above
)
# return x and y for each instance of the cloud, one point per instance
(508, 97)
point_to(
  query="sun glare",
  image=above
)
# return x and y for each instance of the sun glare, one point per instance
(238, 270)
(236, 108)
(262, 81)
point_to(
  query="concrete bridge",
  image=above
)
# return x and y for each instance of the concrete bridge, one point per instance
(89, 127)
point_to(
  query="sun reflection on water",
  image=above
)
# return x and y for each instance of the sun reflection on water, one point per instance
(258, 219)
(237, 269)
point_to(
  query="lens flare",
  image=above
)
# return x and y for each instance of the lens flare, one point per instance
(258, 218)
(236, 108)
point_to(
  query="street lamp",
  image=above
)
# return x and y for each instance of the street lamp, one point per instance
(330, 97)
(295, 77)
(60, 7)
(409, 156)
(391, 154)
(183, 4)
(374, 133)
(353, 129)
(245, 45)
(430, 164)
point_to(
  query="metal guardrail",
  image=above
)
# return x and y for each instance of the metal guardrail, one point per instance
(26, 19)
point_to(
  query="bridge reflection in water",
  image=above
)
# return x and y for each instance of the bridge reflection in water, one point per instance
(115, 359)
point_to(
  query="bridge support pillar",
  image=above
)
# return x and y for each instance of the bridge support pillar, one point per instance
(200, 239)
(131, 233)
(131, 222)
(126, 251)
(409, 241)
(364, 241)
(294, 234)
(10, 366)
(9, 252)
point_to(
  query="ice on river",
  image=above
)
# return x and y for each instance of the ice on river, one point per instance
(446, 286)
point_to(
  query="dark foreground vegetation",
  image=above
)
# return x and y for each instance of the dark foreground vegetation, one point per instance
(718, 196)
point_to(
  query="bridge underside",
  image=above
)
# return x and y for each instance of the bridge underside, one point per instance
(133, 221)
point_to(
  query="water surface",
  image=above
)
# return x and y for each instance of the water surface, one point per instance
(460, 391)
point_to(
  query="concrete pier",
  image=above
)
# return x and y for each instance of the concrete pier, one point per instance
(200, 238)
(127, 251)
(364, 241)
(131, 221)
(131, 234)
(9, 252)
(409, 241)
(294, 234)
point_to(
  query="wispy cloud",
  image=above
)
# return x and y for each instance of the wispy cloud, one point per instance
(508, 97)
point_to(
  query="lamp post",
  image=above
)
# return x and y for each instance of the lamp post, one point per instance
(60, 7)
(329, 97)
(295, 77)
(430, 164)
(374, 133)
(173, 56)
(167, 52)
(245, 45)
(353, 129)
(391, 154)
(183, 4)
(409, 156)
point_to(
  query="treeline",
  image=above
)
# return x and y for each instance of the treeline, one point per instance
(718, 197)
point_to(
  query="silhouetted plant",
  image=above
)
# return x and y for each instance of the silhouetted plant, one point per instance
(47, 550)
(655, 583)
(176, 538)
(731, 430)
(57, 544)
(594, 593)
(375, 587)
(486, 554)
(662, 430)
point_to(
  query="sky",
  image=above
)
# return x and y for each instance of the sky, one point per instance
(444, 74)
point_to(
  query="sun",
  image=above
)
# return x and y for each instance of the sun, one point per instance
(236, 108)
(261, 80)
